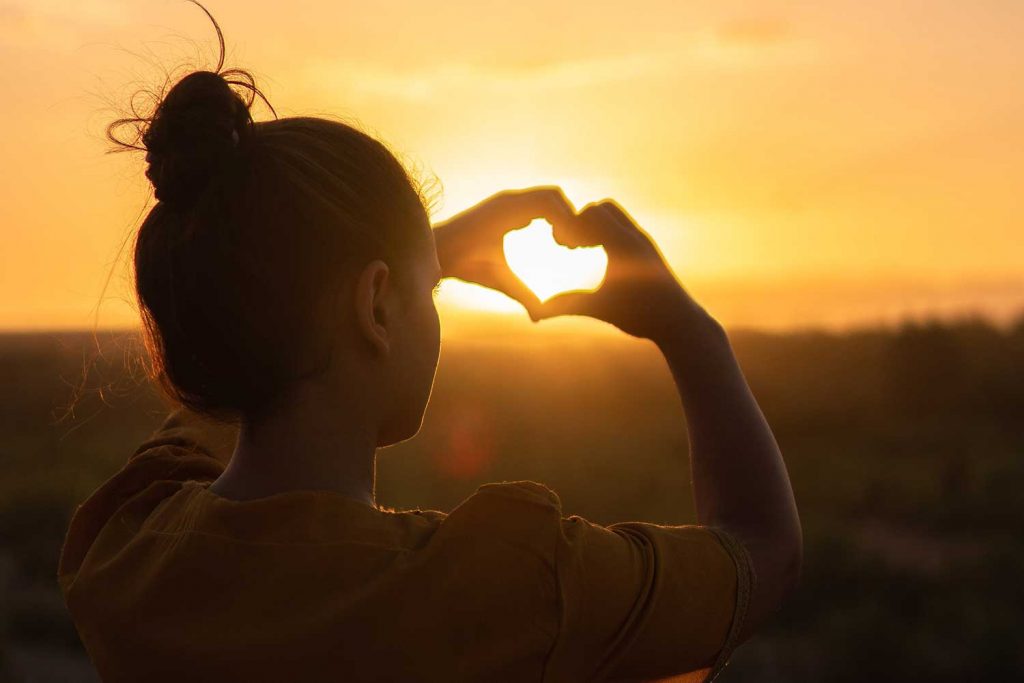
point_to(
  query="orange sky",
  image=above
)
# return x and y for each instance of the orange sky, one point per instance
(800, 164)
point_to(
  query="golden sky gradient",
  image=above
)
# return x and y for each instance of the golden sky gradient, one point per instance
(822, 163)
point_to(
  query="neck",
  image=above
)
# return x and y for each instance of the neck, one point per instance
(311, 444)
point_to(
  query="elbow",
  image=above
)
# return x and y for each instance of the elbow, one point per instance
(786, 566)
(777, 567)
(792, 566)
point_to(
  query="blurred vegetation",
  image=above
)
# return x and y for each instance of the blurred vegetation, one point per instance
(905, 445)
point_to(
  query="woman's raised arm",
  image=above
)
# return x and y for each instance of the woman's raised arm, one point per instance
(740, 483)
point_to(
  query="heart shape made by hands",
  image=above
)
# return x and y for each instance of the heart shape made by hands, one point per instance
(547, 267)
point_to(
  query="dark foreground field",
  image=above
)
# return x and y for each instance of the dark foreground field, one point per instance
(906, 448)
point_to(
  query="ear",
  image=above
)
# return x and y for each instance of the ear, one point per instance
(372, 305)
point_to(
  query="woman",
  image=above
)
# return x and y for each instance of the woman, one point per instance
(285, 279)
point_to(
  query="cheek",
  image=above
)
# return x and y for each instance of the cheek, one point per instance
(435, 331)
(428, 333)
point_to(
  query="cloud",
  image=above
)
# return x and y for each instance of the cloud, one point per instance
(52, 24)
(753, 42)
(743, 43)
(754, 32)
(86, 12)
(443, 79)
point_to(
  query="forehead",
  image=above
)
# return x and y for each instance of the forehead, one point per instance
(426, 254)
(435, 264)
(432, 248)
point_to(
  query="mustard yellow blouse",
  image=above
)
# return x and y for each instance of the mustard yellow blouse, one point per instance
(166, 581)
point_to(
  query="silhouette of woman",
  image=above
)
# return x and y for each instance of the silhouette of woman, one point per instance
(285, 279)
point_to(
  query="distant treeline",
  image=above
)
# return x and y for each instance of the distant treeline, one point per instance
(905, 445)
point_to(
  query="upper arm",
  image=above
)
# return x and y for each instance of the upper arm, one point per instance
(644, 601)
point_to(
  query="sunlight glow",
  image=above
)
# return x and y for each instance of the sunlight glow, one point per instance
(547, 267)
(721, 131)
(531, 252)
(464, 295)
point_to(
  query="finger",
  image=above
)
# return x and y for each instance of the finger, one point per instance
(520, 207)
(569, 303)
(618, 213)
(508, 283)
(622, 216)
(591, 227)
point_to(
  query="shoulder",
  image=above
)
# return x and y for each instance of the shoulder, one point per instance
(185, 447)
(185, 432)
(522, 513)
(523, 490)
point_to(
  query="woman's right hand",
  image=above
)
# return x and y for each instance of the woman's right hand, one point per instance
(639, 293)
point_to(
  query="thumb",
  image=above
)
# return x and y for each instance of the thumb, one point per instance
(569, 303)
(510, 285)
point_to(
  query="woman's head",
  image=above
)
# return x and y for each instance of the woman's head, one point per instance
(279, 252)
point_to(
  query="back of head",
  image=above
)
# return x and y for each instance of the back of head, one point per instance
(258, 226)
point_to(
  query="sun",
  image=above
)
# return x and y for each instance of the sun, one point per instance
(531, 252)
(549, 268)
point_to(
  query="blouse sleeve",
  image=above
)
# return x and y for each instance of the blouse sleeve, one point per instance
(642, 601)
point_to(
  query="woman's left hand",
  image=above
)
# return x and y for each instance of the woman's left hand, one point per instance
(470, 245)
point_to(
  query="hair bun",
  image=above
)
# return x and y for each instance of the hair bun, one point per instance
(193, 131)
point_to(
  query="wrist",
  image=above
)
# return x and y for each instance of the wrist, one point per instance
(685, 322)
